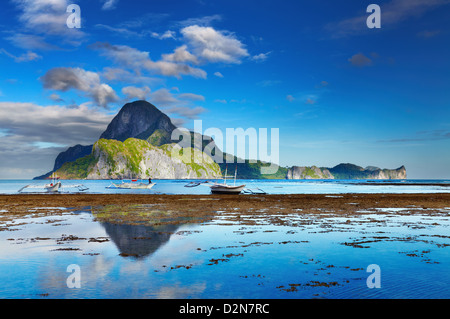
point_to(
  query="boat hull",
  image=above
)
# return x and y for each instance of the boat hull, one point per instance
(134, 186)
(53, 188)
(227, 189)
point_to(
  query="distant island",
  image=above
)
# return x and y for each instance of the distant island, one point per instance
(137, 144)
(345, 171)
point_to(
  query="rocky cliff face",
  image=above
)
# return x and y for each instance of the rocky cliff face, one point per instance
(313, 172)
(135, 158)
(139, 119)
(399, 173)
(345, 171)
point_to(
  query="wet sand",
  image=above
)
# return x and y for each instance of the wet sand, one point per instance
(201, 206)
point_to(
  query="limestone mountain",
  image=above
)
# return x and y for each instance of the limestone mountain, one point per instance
(138, 127)
(140, 119)
(136, 158)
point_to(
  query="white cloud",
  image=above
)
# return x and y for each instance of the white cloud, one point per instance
(103, 94)
(191, 97)
(163, 98)
(133, 92)
(181, 54)
(166, 35)
(218, 74)
(202, 21)
(25, 57)
(174, 69)
(214, 46)
(109, 4)
(261, 57)
(123, 75)
(140, 60)
(64, 79)
(48, 17)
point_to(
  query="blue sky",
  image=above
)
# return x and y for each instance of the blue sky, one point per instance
(337, 90)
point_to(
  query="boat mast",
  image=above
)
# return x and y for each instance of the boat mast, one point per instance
(226, 172)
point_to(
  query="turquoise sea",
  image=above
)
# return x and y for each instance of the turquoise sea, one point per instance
(269, 186)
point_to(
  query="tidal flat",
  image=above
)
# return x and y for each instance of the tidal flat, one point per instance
(209, 246)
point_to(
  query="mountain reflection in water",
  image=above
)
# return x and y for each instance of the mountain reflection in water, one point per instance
(138, 241)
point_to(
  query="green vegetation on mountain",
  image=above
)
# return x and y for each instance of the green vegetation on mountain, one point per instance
(135, 158)
(78, 169)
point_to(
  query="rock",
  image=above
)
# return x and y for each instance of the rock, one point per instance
(135, 158)
(139, 119)
(313, 172)
(345, 171)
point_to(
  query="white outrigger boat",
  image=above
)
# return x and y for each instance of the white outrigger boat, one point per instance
(53, 187)
(133, 184)
(224, 188)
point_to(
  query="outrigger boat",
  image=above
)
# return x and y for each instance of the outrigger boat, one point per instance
(224, 188)
(133, 184)
(54, 186)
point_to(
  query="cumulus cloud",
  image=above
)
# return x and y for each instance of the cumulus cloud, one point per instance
(132, 92)
(64, 79)
(214, 46)
(180, 54)
(103, 94)
(140, 60)
(47, 17)
(218, 74)
(174, 69)
(163, 98)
